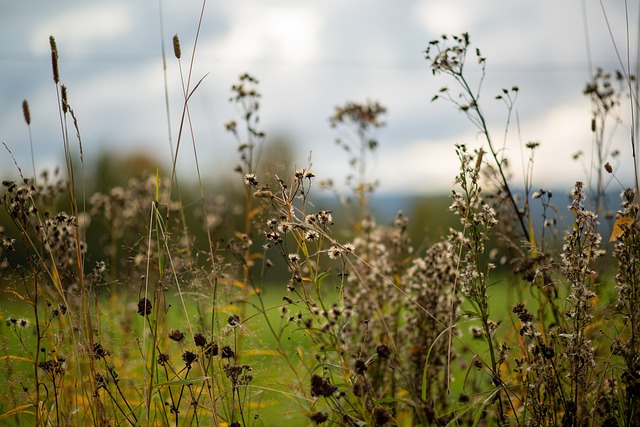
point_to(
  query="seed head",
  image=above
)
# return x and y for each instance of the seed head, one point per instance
(199, 340)
(99, 352)
(321, 387)
(54, 59)
(226, 352)
(189, 357)
(383, 351)
(233, 320)
(212, 350)
(163, 358)
(250, 179)
(25, 112)
(144, 306)
(381, 416)
(360, 366)
(319, 417)
(176, 47)
(65, 99)
(176, 335)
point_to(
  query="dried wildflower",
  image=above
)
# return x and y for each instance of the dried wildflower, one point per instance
(99, 352)
(334, 252)
(233, 321)
(311, 235)
(532, 145)
(211, 350)
(238, 374)
(230, 126)
(284, 227)
(319, 417)
(144, 306)
(321, 387)
(7, 243)
(361, 387)
(581, 247)
(325, 218)
(547, 351)
(226, 352)
(363, 115)
(199, 339)
(263, 194)
(380, 416)
(189, 357)
(100, 381)
(293, 258)
(23, 323)
(476, 332)
(53, 366)
(360, 367)
(272, 223)
(60, 309)
(274, 237)
(523, 314)
(250, 179)
(163, 358)
(176, 335)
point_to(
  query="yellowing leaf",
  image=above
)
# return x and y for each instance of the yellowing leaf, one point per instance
(621, 225)
(230, 308)
(254, 211)
(261, 352)
(24, 409)
(263, 404)
(238, 284)
(9, 291)
(22, 359)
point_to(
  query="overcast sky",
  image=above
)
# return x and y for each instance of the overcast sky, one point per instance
(309, 57)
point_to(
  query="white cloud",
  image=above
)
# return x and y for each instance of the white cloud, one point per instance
(81, 27)
(443, 17)
(277, 34)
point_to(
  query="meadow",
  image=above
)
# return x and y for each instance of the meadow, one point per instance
(163, 302)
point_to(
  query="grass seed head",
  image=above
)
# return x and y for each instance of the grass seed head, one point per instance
(54, 59)
(176, 47)
(25, 112)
